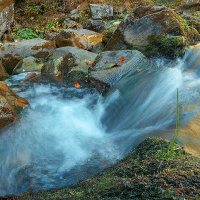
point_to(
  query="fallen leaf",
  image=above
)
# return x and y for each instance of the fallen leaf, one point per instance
(77, 84)
(89, 62)
(138, 70)
(59, 75)
(122, 58)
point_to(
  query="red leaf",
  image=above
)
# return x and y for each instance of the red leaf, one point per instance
(77, 84)
(122, 58)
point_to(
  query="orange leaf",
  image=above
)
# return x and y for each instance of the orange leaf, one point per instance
(89, 62)
(77, 84)
(122, 58)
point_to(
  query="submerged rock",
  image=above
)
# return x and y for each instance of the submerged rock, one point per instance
(161, 33)
(12, 53)
(110, 66)
(70, 64)
(80, 38)
(28, 64)
(10, 104)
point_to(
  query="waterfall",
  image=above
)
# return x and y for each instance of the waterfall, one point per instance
(66, 134)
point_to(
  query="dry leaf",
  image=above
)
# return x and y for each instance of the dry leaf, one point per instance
(77, 84)
(89, 62)
(122, 58)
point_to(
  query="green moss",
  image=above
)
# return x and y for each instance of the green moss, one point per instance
(171, 46)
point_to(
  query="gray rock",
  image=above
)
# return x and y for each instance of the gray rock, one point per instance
(95, 25)
(29, 64)
(100, 11)
(6, 15)
(110, 66)
(70, 63)
(12, 53)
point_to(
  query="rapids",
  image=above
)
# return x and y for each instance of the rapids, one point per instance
(67, 134)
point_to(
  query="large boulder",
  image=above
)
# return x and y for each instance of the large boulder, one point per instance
(29, 64)
(100, 11)
(12, 53)
(110, 66)
(80, 38)
(69, 63)
(162, 33)
(6, 15)
(10, 104)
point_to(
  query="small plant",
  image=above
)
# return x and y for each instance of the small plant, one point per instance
(171, 150)
(26, 33)
(52, 24)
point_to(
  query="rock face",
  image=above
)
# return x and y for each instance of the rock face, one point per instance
(10, 104)
(161, 33)
(110, 66)
(12, 53)
(100, 11)
(29, 64)
(6, 15)
(70, 64)
(81, 38)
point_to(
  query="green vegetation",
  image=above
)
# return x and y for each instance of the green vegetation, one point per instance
(53, 24)
(26, 33)
(171, 46)
(172, 150)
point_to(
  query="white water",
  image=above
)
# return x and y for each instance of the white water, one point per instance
(67, 134)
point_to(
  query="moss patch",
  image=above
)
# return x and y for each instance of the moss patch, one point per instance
(171, 46)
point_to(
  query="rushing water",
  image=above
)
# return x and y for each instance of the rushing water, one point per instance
(67, 134)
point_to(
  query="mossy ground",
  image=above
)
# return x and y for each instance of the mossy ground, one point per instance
(143, 174)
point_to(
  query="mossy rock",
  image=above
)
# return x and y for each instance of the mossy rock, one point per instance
(162, 33)
(172, 46)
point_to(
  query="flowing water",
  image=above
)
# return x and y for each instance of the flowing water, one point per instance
(67, 134)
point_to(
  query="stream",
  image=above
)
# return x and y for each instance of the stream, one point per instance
(67, 134)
